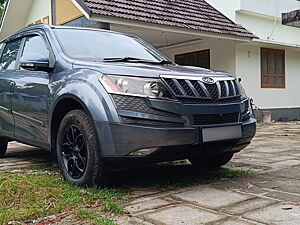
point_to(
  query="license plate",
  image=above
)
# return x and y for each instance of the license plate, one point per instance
(221, 133)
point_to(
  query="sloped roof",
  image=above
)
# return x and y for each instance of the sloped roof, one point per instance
(189, 14)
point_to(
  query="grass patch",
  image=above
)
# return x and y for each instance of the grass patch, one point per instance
(43, 166)
(206, 177)
(92, 218)
(32, 196)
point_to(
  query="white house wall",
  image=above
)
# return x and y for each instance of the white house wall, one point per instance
(262, 18)
(248, 67)
(269, 29)
(222, 53)
(271, 8)
(14, 18)
(39, 10)
(223, 6)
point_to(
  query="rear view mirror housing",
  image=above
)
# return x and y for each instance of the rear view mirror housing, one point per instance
(35, 62)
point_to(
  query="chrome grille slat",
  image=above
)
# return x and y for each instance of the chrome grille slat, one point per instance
(204, 89)
(233, 88)
(180, 88)
(193, 88)
(188, 91)
(227, 89)
(192, 91)
(219, 89)
(230, 87)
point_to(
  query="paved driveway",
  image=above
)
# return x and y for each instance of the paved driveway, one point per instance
(270, 195)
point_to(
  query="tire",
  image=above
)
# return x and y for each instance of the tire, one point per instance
(78, 151)
(214, 161)
(3, 147)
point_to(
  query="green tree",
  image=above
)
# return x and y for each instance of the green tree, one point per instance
(2, 3)
(2, 6)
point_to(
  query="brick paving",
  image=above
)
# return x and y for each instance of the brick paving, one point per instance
(268, 196)
(271, 195)
(20, 156)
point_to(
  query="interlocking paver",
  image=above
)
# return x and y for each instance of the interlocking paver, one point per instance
(287, 163)
(269, 196)
(234, 222)
(278, 214)
(151, 204)
(182, 215)
(248, 206)
(211, 197)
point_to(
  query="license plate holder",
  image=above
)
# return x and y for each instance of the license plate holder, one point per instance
(211, 134)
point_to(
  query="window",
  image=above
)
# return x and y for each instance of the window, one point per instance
(272, 68)
(9, 56)
(46, 20)
(35, 45)
(200, 59)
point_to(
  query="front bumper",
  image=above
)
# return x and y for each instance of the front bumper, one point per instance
(119, 140)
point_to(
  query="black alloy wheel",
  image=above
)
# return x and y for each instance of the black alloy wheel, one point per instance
(74, 151)
(78, 151)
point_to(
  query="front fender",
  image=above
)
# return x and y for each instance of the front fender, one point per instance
(84, 86)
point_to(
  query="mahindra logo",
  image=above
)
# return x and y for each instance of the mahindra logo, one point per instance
(208, 80)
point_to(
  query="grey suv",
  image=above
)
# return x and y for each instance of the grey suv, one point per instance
(102, 101)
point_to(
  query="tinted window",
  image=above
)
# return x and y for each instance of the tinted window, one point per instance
(35, 44)
(9, 56)
(200, 59)
(97, 45)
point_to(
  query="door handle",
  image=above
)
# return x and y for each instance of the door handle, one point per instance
(12, 86)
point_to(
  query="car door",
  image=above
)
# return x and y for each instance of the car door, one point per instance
(30, 98)
(7, 66)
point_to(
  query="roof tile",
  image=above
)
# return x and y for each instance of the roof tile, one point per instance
(189, 14)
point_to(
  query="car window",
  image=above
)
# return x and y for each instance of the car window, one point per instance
(9, 56)
(35, 44)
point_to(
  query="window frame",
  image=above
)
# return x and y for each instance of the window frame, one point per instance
(5, 43)
(196, 53)
(46, 41)
(268, 74)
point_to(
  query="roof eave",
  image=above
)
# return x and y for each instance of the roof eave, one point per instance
(174, 29)
(82, 7)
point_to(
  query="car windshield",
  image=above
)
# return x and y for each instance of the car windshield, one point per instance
(106, 46)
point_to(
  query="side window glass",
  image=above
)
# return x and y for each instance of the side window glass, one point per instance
(9, 56)
(35, 45)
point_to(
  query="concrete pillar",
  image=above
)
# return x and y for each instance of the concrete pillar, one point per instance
(266, 117)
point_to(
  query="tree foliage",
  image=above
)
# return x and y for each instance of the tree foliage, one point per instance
(2, 2)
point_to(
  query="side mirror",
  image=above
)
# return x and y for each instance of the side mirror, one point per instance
(35, 62)
(240, 80)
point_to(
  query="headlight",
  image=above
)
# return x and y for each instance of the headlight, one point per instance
(135, 86)
(242, 90)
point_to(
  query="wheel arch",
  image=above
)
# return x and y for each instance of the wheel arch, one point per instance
(63, 105)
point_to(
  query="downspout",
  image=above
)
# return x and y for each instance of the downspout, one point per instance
(53, 12)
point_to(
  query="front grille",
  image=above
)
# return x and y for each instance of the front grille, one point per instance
(208, 101)
(210, 119)
(198, 92)
(138, 104)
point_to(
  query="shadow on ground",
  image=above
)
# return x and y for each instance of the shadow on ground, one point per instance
(168, 175)
(162, 175)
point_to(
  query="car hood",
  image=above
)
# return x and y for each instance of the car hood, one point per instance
(145, 69)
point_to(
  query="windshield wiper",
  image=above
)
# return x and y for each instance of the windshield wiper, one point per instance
(164, 62)
(125, 59)
(135, 60)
